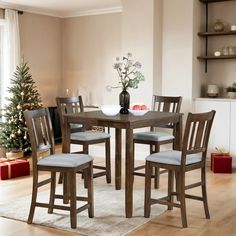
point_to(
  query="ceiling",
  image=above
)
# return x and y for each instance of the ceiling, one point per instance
(64, 8)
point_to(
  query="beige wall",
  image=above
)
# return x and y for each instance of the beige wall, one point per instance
(90, 46)
(78, 53)
(138, 38)
(41, 47)
(177, 65)
(199, 76)
(158, 29)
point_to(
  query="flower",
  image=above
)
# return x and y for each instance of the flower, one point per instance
(128, 72)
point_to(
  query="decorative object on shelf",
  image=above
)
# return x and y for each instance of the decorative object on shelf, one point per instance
(130, 76)
(219, 26)
(217, 53)
(233, 27)
(225, 51)
(231, 91)
(231, 50)
(212, 91)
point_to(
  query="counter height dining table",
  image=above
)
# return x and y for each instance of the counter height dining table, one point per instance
(128, 122)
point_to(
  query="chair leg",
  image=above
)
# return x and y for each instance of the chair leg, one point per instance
(85, 151)
(182, 200)
(108, 161)
(73, 206)
(204, 192)
(157, 170)
(60, 178)
(156, 177)
(90, 190)
(177, 185)
(147, 193)
(33, 199)
(52, 192)
(65, 188)
(170, 187)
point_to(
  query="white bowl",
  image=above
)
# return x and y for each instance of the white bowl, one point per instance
(110, 110)
(138, 112)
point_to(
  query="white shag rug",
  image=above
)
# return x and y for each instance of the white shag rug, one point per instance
(109, 212)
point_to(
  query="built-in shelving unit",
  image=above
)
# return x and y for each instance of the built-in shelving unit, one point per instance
(208, 33)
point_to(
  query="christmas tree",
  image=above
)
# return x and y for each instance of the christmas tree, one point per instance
(23, 95)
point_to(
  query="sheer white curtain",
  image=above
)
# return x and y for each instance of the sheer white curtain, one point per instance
(11, 53)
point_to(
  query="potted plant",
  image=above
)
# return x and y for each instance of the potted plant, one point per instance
(129, 75)
(231, 91)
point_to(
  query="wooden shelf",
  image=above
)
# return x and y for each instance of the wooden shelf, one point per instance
(204, 34)
(211, 1)
(216, 58)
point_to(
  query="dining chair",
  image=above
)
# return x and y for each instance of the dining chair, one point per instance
(155, 138)
(82, 136)
(44, 159)
(191, 157)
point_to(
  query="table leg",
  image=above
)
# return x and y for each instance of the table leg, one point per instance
(66, 137)
(178, 134)
(65, 149)
(118, 159)
(129, 177)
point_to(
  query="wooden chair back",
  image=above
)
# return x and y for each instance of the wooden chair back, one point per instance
(40, 133)
(166, 104)
(196, 134)
(70, 105)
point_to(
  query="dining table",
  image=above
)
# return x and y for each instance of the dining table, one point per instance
(127, 122)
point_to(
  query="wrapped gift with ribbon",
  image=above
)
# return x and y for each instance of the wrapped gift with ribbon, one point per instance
(12, 168)
(221, 161)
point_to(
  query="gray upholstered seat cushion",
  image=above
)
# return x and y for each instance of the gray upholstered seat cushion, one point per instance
(153, 136)
(65, 160)
(173, 158)
(89, 136)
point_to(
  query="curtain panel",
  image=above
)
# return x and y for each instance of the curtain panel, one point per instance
(11, 52)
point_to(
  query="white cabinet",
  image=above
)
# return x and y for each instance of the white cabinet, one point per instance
(233, 128)
(222, 135)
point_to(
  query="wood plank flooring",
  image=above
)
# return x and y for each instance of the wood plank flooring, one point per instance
(221, 197)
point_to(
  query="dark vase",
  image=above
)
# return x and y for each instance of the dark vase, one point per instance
(124, 102)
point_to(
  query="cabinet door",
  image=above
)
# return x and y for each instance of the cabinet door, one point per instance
(220, 132)
(233, 129)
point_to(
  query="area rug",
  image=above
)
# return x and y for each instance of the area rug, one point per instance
(109, 213)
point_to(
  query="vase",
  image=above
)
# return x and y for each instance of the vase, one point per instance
(124, 102)
(219, 26)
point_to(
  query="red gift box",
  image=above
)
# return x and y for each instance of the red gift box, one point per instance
(221, 163)
(13, 169)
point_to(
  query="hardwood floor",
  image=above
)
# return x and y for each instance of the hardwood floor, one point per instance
(221, 199)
